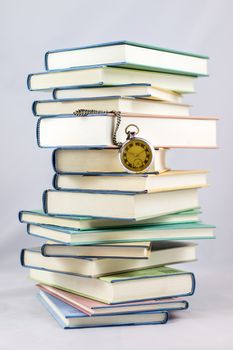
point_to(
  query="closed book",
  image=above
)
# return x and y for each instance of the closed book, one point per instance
(92, 307)
(119, 205)
(102, 75)
(154, 283)
(88, 223)
(96, 131)
(128, 54)
(132, 182)
(187, 231)
(69, 317)
(131, 90)
(117, 103)
(101, 160)
(131, 250)
(165, 253)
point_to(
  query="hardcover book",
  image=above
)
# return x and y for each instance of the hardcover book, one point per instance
(88, 223)
(130, 55)
(165, 253)
(127, 90)
(99, 161)
(117, 103)
(154, 283)
(69, 317)
(103, 75)
(132, 182)
(119, 205)
(96, 131)
(186, 231)
(92, 307)
(130, 250)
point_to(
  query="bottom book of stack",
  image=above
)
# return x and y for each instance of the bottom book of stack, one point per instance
(69, 317)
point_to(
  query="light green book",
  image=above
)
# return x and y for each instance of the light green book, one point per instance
(153, 283)
(186, 231)
(82, 223)
(138, 274)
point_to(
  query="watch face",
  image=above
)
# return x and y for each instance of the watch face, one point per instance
(136, 155)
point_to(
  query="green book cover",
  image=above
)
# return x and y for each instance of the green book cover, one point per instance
(182, 226)
(145, 273)
(137, 66)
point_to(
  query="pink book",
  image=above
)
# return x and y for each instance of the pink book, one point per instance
(93, 307)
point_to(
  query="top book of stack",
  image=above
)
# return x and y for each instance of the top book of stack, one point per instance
(128, 54)
(117, 63)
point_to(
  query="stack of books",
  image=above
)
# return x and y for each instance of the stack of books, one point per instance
(117, 215)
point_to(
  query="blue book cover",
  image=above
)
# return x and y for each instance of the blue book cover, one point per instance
(69, 317)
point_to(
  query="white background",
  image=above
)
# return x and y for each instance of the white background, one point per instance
(28, 30)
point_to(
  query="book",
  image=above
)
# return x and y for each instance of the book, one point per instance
(101, 160)
(186, 231)
(119, 205)
(154, 283)
(132, 250)
(165, 253)
(96, 131)
(132, 182)
(92, 307)
(130, 55)
(69, 317)
(102, 75)
(131, 90)
(123, 104)
(88, 223)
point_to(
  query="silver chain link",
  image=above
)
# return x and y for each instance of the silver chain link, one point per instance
(117, 114)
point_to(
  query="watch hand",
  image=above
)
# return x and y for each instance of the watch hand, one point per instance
(137, 155)
(133, 154)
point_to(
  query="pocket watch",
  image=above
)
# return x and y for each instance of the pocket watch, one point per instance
(136, 154)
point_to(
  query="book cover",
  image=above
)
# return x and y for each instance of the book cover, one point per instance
(90, 307)
(69, 317)
(123, 61)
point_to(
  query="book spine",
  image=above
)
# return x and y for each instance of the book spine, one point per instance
(54, 182)
(29, 81)
(54, 156)
(44, 201)
(186, 305)
(193, 283)
(34, 106)
(54, 94)
(38, 132)
(20, 215)
(43, 250)
(46, 60)
(22, 256)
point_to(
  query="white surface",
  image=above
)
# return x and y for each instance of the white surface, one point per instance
(28, 29)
